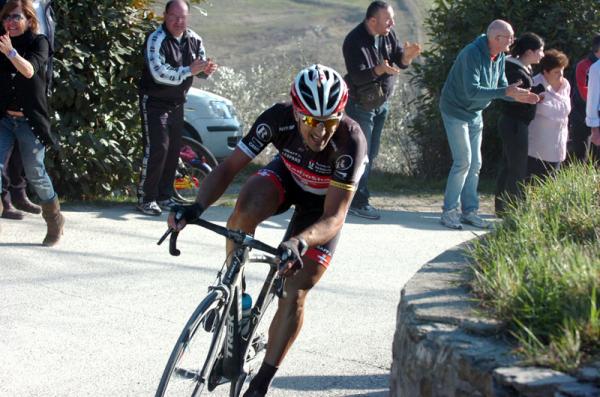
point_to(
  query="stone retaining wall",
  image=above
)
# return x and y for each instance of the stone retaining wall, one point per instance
(444, 347)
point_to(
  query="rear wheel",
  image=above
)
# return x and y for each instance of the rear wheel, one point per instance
(192, 360)
(195, 163)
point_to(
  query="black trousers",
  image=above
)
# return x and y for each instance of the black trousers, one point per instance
(162, 125)
(540, 168)
(513, 164)
(580, 146)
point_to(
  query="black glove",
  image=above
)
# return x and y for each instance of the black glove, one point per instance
(189, 212)
(290, 252)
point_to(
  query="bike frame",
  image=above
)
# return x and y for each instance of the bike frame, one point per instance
(235, 346)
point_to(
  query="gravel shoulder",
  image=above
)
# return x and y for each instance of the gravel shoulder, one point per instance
(422, 202)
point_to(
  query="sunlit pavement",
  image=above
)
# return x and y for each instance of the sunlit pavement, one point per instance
(99, 314)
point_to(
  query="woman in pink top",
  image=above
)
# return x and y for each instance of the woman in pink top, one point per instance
(548, 131)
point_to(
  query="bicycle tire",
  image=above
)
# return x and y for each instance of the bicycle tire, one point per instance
(196, 348)
(195, 163)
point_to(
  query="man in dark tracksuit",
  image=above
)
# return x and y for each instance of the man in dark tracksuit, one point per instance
(173, 55)
(580, 133)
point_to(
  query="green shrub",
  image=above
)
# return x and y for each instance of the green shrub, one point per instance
(566, 25)
(540, 270)
(94, 101)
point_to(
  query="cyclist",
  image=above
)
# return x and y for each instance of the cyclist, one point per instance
(322, 155)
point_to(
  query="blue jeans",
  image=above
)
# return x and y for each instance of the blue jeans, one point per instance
(32, 154)
(371, 123)
(464, 138)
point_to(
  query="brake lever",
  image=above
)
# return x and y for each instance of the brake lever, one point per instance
(280, 287)
(280, 281)
(164, 236)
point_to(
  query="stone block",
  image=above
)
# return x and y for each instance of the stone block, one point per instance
(532, 381)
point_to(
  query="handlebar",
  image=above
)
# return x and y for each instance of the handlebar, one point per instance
(237, 236)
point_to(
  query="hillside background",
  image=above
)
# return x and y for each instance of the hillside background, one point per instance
(242, 34)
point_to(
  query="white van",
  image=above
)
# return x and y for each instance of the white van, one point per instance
(212, 120)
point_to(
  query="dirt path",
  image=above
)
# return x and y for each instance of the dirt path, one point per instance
(423, 203)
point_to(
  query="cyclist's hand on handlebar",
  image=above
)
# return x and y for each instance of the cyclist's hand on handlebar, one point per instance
(180, 215)
(290, 254)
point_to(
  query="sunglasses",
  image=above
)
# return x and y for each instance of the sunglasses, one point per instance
(13, 17)
(314, 122)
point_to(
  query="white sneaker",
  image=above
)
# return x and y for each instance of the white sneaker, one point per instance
(471, 218)
(167, 204)
(149, 208)
(451, 219)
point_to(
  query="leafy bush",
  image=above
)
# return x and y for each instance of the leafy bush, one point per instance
(540, 270)
(451, 25)
(97, 64)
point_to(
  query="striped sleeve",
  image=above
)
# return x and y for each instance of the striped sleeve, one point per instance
(161, 71)
(200, 52)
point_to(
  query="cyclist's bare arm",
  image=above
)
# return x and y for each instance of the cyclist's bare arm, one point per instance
(337, 202)
(216, 182)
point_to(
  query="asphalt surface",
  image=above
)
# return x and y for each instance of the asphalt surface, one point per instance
(99, 314)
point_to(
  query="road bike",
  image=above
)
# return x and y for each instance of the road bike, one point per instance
(194, 164)
(214, 347)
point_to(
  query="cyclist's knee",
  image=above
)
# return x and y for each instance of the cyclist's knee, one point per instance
(294, 300)
(257, 201)
(246, 216)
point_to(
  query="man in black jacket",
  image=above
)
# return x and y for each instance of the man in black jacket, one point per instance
(370, 51)
(173, 55)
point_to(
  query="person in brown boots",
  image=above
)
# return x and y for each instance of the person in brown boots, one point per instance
(23, 105)
(14, 194)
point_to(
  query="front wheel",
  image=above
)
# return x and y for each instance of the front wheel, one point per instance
(192, 360)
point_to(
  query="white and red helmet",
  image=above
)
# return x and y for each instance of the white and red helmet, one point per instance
(319, 91)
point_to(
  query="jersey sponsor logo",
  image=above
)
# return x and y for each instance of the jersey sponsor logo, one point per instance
(307, 180)
(291, 155)
(284, 128)
(256, 144)
(322, 168)
(340, 174)
(344, 162)
(263, 132)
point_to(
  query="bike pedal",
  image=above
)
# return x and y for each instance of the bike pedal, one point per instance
(259, 343)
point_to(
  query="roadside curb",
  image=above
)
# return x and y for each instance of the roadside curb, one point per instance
(445, 346)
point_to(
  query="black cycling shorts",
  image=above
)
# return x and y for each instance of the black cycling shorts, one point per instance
(308, 208)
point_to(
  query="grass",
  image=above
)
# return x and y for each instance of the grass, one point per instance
(540, 270)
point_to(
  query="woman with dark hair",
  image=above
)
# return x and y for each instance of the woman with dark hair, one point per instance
(548, 131)
(23, 106)
(514, 119)
(14, 185)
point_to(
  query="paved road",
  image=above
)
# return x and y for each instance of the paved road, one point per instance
(99, 314)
